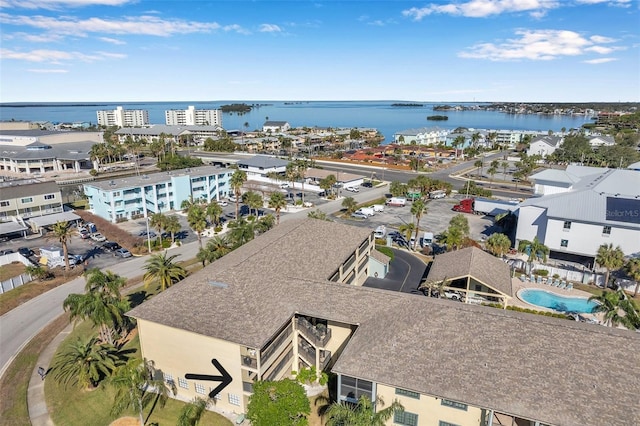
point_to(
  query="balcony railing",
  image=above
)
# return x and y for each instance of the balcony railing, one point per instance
(249, 361)
(316, 335)
(247, 387)
(325, 356)
(307, 352)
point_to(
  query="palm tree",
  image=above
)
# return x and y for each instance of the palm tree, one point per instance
(158, 221)
(461, 222)
(196, 217)
(498, 244)
(407, 229)
(303, 166)
(136, 387)
(505, 166)
(535, 249)
(217, 247)
(242, 231)
(350, 204)
(609, 258)
(612, 304)
(453, 237)
(163, 271)
(214, 212)
(364, 413)
(172, 226)
(277, 202)
(192, 412)
(492, 172)
(238, 178)
(101, 303)
(62, 232)
(85, 362)
(632, 268)
(418, 208)
(253, 200)
(265, 223)
(478, 164)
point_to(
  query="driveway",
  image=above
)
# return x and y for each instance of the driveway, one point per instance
(405, 274)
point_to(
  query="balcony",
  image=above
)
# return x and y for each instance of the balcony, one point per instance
(247, 387)
(249, 361)
(318, 335)
(325, 356)
(307, 352)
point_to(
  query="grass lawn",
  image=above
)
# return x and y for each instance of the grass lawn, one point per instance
(15, 381)
(11, 270)
(72, 406)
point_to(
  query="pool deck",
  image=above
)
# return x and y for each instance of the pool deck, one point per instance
(518, 285)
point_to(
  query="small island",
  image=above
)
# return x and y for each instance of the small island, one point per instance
(438, 118)
(407, 105)
(239, 108)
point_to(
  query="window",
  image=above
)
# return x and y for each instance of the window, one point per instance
(567, 225)
(168, 378)
(564, 243)
(50, 196)
(401, 417)
(453, 404)
(352, 389)
(234, 399)
(200, 389)
(410, 394)
(217, 396)
(4, 203)
(606, 230)
(443, 423)
(27, 200)
(182, 382)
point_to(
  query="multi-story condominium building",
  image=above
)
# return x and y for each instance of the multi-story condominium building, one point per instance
(190, 134)
(581, 208)
(544, 145)
(141, 196)
(40, 151)
(27, 199)
(292, 298)
(276, 126)
(423, 136)
(193, 117)
(123, 117)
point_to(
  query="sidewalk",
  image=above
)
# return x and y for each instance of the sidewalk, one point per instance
(36, 402)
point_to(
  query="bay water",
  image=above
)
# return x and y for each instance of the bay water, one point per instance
(381, 115)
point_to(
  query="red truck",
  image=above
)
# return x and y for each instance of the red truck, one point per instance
(485, 206)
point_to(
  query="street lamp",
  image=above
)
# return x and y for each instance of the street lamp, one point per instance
(148, 236)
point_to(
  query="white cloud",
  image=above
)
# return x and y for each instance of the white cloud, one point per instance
(142, 25)
(620, 3)
(55, 56)
(483, 8)
(59, 4)
(270, 28)
(600, 61)
(33, 38)
(48, 71)
(111, 40)
(601, 39)
(235, 28)
(537, 45)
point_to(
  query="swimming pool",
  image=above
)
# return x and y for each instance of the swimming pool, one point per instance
(556, 302)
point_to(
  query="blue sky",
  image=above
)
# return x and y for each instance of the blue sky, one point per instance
(441, 50)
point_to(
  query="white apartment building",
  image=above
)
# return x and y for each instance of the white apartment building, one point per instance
(583, 208)
(193, 117)
(123, 117)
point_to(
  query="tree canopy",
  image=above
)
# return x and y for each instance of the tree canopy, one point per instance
(280, 403)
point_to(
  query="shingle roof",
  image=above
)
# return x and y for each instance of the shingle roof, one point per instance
(530, 366)
(274, 123)
(9, 192)
(263, 161)
(473, 262)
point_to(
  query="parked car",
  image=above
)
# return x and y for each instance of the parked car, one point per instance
(452, 295)
(98, 237)
(223, 203)
(3, 252)
(144, 234)
(110, 246)
(359, 215)
(122, 252)
(284, 185)
(352, 188)
(367, 184)
(25, 251)
(84, 234)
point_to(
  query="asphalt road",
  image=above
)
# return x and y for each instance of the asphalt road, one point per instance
(405, 274)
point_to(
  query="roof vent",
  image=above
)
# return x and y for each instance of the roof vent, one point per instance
(112, 183)
(217, 284)
(145, 177)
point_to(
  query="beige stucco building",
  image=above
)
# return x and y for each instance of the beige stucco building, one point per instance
(293, 297)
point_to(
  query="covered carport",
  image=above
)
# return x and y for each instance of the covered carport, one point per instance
(39, 223)
(10, 228)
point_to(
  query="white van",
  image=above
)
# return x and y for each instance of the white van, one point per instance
(427, 239)
(380, 232)
(366, 210)
(378, 208)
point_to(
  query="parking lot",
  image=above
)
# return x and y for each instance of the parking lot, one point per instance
(436, 220)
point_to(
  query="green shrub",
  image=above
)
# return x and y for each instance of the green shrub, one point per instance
(385, 250)
(541, 272)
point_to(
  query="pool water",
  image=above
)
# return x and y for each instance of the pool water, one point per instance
(556, 302)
